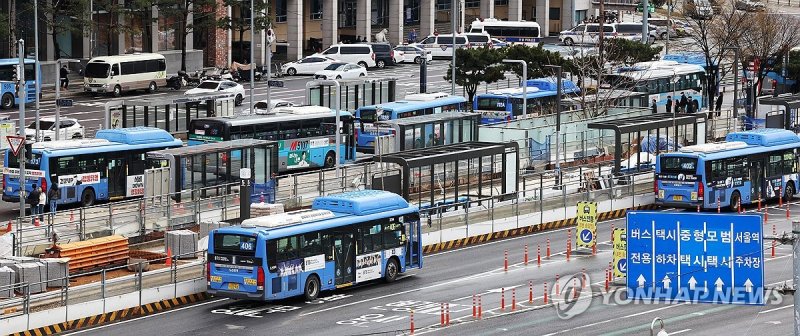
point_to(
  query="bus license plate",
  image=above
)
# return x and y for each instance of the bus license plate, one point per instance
(233, 286)
(678, 198)
(251, 282)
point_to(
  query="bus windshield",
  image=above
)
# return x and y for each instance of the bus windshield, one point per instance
(678, 164)
(7, 72)
(227, 243)
(492, 104)
(97, 70)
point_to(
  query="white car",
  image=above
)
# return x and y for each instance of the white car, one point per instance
(412, 54)
(220, 85)
(341, 71)
(307, 66)
(69, 129)
(262, 105)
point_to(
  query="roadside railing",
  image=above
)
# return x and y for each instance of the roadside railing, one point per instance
(129, 281)
(134, 218)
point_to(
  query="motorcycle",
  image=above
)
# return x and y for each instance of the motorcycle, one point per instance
(183, 79)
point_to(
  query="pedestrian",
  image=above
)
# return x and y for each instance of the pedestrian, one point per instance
(412, 36)
(654, 106)
(63, 75)
(689, 106)
(669, 104)
(33, 201)
(677, 106)
(42, 202)
(54, 194)
(695, 105)
(684, 101)
(719, 105)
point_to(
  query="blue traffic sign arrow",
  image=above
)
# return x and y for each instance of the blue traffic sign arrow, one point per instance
(586, 236)
(695, 257)
(622, 265)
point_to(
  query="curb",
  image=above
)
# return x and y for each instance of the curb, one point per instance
(479, 239)
(114, 316)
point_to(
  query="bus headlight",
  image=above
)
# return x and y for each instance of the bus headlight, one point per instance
(661, 194)
(694, 195)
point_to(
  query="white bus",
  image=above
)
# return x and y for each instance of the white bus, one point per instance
(115, 74)
(526, 32)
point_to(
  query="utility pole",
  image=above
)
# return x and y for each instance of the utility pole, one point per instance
(23, 95)
(454, 19)
(252, 54)
(645, 28)
(796, 276)
(36, 64)
(268, 42)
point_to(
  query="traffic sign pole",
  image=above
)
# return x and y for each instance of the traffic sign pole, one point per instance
(23, 96)
(796, 277)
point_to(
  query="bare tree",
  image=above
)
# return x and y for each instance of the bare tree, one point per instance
(61, 16)
(767, 39)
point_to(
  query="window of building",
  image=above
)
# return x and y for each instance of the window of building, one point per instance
(280, 10)
(316, 9)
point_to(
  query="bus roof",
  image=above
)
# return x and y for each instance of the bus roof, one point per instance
(742, 144)
(279, 114)
(429, 118)
(127, 57)
(696, 58)
(212, 147)
(537, 88)
(85, 146)
(7, 61)
(329, 212)
(502, 23)
(658, 69)
(135, 135)
(411, 105)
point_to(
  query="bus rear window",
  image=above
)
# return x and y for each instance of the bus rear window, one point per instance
(202, 129)
(682, 164)
(32, 163)
(228, 243)
(492, 104)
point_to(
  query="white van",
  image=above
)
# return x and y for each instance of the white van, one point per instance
(441, 45)
(586, 33)
(633, 31)
(124, 73)
(361, 54)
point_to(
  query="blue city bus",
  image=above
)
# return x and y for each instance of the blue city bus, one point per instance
(109, 167)
(343, 240)
(306, 135)
(8, 95)
(411, 106)
(661, 79)
(748, 166)
(506, 104)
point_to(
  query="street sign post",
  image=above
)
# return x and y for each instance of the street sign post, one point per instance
(586, 231)
(620, 259)
(15, 142)
(275, 83)
(694, 257)
(64, 102)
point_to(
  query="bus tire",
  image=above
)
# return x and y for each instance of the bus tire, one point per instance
(788, 194)
(735, 199)
(117, 91)
(312, 288)
(238, 100)
(330, 159)
(392, 269)
(7, 101)
(152, 87)
(87, 197)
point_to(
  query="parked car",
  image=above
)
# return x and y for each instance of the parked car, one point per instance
(384, 54)
(412, 54)
(361, 54)
(442, 45)
(341, 71)
(477, 40)
(586, 33)
(497, 43)
(220, 85)
(306, 66)
(269, 105)
(750, 6)
(69, 128)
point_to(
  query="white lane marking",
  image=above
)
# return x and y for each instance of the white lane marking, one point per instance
(680, 331)
(776, 309)
(148, 316)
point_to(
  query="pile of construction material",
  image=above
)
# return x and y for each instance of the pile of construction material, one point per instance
(93, 253)
(37, 274)
(181, 244)
(265, 209)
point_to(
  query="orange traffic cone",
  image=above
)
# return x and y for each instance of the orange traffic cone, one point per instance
(36, 221)
(8, 227)
(169, 256)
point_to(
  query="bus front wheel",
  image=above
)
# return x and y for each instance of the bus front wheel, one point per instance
(311, 291)
(7, 101)
(789, 192)
(735, 199)
(392, 269)
(87, 198)
(330, 160)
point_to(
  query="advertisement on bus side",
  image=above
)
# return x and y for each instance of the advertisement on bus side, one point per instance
(72, 180)
(29, 173)
(368, 267)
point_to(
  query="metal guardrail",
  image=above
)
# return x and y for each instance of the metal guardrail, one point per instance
(133, 218)
(104, 286)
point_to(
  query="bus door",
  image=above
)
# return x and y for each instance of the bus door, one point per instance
(757, 179)
(117, 172)
(344, 252)
(413, 246)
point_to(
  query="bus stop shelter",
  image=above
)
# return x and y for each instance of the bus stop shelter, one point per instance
(692, 125)
(171, 114)
(452, 174)
(430, 130)
(354, 92)
(785, 118)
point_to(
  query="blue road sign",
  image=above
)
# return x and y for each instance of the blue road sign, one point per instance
(693, 257)
(586, 236)
(622, 265)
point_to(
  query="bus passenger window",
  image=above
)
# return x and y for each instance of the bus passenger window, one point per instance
(272, 256)
(312, 245)
(288, 248)
(392, 234)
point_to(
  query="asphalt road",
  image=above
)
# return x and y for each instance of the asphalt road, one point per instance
(454, 277)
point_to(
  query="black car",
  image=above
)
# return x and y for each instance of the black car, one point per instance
(384, 54)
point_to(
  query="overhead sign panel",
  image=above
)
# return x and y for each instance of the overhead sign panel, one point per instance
(694, 257)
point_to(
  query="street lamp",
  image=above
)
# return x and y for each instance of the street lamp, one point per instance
(735, 83)
(674, 114)
(252, 56)
(524, 85)
(58, 96)
(661, 332)
(558, 70)
(336, 97)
